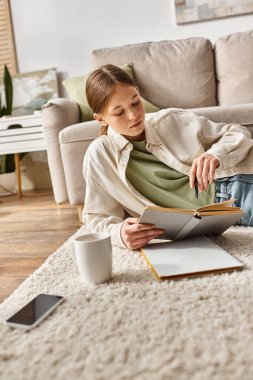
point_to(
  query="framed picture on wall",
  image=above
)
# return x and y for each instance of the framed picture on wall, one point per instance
(200, 10)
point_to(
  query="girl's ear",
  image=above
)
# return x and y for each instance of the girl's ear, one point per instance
(99, 118)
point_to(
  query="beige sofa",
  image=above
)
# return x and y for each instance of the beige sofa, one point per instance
(214, 81)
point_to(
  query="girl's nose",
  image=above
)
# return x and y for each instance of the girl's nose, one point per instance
(132, 114)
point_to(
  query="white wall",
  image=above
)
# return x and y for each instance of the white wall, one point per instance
(62, 33)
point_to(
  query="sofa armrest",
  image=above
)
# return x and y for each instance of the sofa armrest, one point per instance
(57, 114)
(234, 113)
(74, 141)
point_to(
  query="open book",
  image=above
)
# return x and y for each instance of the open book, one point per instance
(188, 257)
(179, 224)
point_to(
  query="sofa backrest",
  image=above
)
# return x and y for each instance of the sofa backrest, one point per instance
(178, 73)
(234, 67)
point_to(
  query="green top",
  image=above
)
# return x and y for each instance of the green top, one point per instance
(161, 184)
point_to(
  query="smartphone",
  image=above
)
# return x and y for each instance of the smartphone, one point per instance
(34, 311)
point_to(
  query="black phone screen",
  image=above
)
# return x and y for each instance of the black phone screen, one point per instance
(32, 311)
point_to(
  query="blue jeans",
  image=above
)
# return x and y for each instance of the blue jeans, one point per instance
(240, 187)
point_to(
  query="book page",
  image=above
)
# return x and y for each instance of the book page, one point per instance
(172, 210)
(220, 211)
(221, 207)
(226, 206)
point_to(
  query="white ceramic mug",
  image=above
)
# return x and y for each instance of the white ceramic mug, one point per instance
(92, 254)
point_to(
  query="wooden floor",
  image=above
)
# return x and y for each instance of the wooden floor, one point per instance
(31, 228)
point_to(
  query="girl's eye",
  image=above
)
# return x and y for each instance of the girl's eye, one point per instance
(133, 104)
(118, 114)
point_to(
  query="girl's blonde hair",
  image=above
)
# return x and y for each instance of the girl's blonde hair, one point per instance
(100, 85)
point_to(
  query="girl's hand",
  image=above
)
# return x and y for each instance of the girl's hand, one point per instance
(202, 171)
(136, 235)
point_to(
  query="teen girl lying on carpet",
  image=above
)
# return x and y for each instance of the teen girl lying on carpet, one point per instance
(155, 159)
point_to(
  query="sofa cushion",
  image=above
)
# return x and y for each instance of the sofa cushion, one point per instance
(238, 113)
(169, 73)
(234, 57)
(75, 87)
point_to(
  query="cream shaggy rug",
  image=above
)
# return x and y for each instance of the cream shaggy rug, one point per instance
(135, 327)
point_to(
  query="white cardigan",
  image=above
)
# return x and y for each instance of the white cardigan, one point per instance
(175, 137)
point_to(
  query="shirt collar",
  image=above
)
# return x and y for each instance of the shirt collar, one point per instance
(151, 135)
(120, 141)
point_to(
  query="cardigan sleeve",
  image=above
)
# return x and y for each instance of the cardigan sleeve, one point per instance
(102, 213)
(229, 143)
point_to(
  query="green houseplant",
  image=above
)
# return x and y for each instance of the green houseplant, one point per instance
(8, 89)
(7, 164)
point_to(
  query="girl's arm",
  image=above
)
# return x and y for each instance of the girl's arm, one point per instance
(229, 143)
(225, 146)
(102, 213)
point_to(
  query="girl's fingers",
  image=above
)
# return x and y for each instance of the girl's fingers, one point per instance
(214, 164)
(141, 242)
(142, 229)
(131, 220)
(136, 234)
(205, 173)
(193, 174)
(202, 170)
(147, 233)
(135, 225)
(199, 175)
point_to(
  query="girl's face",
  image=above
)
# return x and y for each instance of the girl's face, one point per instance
(125, 112)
